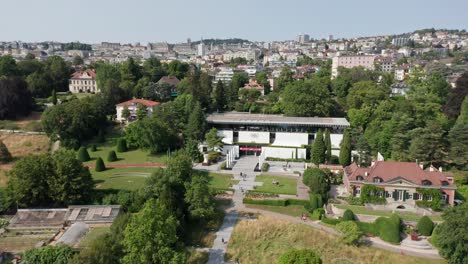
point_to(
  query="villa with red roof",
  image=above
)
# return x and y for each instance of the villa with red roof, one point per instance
(132, 106)
(403, 184)
(83, 82)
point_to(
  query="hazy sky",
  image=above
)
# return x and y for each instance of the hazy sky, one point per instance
(176, 20)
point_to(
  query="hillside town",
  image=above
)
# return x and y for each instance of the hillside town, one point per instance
(320, 150)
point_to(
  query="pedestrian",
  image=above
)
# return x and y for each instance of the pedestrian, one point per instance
(222, 240)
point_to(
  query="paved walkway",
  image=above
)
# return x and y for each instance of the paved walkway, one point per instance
(144, 165)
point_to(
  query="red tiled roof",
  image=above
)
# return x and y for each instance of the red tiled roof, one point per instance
(90, 72)
(389, 170)
(139, 101)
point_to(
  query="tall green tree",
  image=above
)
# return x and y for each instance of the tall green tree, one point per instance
(141, 111)
(427, 143)
(328, 146)
(345, 149)
(151, 236)
(151, 134)
(219, 97)
(59, 72)
(8, 66)
(15, 98)
(200, 202)
(318, 149)
(239, 79)
(262, 78)
(285, 78)
(213, 139)
(195, 128)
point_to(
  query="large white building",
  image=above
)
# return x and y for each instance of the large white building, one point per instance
(224, 75)
(274, 136)
(83, 82)
(366, 61)
(132, 106)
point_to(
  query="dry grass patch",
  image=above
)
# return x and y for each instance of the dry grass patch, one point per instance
(3, 178)
(21, 145)
(265, 240)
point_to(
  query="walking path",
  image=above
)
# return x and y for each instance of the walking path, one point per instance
(144, 165)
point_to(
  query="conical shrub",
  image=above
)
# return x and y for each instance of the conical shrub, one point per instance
(111, 156)
(121, 145)
(100, 166)
(83, 154)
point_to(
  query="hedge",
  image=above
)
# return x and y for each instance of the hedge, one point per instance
(265, 167)
(100, 166)
(425, 226)
(389, 228)
(285, 202)
(93, 148)
(368, 228)
(330, 221)
(300, 256)
(318, 214)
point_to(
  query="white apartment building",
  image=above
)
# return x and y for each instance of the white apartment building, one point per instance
(366, 61)
(132, 106)
(83, 82)
(247, 54)
(225, 75)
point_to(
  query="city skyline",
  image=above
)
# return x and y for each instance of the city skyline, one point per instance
(94, 22)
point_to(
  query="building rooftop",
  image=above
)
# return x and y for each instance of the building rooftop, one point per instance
(144, 102)
(264, 119)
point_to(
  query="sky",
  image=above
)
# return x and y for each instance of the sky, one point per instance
(130, 21)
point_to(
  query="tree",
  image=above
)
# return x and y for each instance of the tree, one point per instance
(451, 235)
(427, 144)
(285, 78)
(8, 66)
(458, 138)
(141, 111)
(83, 154)
(15, 98)
(239, 79)
(57, 179)
(191, 147)
(196, 124)
(307, 98)
(49, 254)
(111, 156)
(219, 97)
(456, 96)
(151, 236)
(213, 139)
(350, 233)
(425, 226)
(200, 202)
(100, 166)
(345, 149)
(262, 78)
(77, 60)
(348, 215)
(39, 84)
(366, 93)
(59, 72)
(54, 97)
(300, 256)
(71, 183)
(126, 113)
(318, 149)
(316, 180)
(5, 155)
(122, 145)
(328, 146)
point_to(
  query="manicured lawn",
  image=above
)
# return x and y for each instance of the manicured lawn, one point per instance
(130, 157)
(92, 234)
(221, 181)
(292, 210)
(121, 178)
(286, 185)
(265, 240)
(408, 216)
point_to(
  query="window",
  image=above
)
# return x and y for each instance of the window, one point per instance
(358, 190)
(445, 183)
(359, 178)
(426, 183)
(377, 179)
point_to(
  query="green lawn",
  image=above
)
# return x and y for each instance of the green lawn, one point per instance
(130, 157)
(408, 216)
(93, 234)
(292, 210)
(221, 181)
(121, 178)
(286, 185)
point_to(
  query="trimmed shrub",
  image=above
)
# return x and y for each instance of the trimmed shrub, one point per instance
(223, 165)
(313, 203)
(297, 202)
(300, 256)
(100, 166)
(122, 145)
(348, 215)
(265, 167)
(111, 156)
(5, 155)
(213, 156)
(368, 228)
(318, 214)
(350, 233)
(389, 228)
(425, 226)
(93, 148)
(83, 154)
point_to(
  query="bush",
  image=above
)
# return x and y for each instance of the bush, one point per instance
(302, 256)
(111, 157)
(425, 226)
(318, 214)
(334, 160)
(100, 166)
(297, 202)
(265, 166)
(313, 203)
(389, 228)
(49, 254)
(122, 145)
(368, 228)
(83, 154)
(316, 180)
(93, 148)
(348, 215)
(223, 165)
(350, 233)
(5, 155)
(213, 156)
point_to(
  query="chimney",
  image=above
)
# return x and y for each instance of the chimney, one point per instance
(421, 165)
(440, 169)
(366, 174)
(372, 163)
(431, 168)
